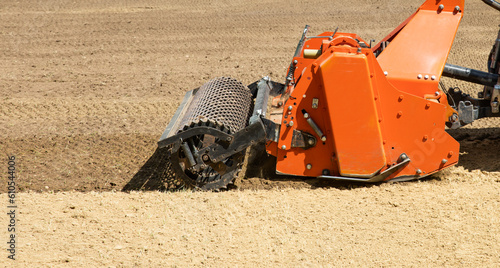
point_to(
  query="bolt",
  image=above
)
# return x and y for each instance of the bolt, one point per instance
(441, 7)
(290, 108)
(306, 115)
(229, 139)
(359, 50)
(291, 123)
(444, 161)
(280, 103)
(419, 76)
(205, 157)
(323, 138)
(309, 166)
(433, 77)
(403, 157)
(426, 77)
(457, 8)
(437, 93)
(310, 141)
(266, 78)
(304, 96)
(386, 73)
(326, 172)
(454, 118)
(295, 62)
(283, 147)
(419, 171)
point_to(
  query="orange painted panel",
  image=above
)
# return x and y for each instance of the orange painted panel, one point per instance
(353, 115)
(415, 59)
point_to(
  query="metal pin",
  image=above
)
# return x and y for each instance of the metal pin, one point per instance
(187, 152)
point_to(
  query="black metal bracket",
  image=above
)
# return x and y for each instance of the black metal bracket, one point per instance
(483, 105)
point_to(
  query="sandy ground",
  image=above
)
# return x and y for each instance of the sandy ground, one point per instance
(87, 88)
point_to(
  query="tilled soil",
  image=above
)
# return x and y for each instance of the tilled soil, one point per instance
(87, 88)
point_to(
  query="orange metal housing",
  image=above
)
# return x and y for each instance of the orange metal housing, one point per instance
(373, 111)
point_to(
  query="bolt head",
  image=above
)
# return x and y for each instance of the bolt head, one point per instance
(418, 171)
(426, 77)
(419, 76)
(386, 73)
(309, 166)
(441, 7)
(457, 8)
(306, 115)
(290, 108)
(437, 93)
(433, 77)
(444, 161)
(283, 147)
(323, 138)
(295, 62)
(291, 123)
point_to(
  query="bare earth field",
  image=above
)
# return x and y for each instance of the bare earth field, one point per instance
(87, 88)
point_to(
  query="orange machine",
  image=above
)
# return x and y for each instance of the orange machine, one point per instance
(348, 111)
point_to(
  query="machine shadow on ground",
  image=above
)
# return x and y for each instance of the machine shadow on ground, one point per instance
(154, 175)
(479, 148)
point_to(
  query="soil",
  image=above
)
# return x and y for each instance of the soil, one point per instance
(87, 88)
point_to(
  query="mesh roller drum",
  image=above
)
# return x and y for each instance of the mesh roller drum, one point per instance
(223, 100)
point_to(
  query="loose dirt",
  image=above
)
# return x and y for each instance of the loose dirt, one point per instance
(87, 88)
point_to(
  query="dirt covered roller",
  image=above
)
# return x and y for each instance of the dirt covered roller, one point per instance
(208, 116)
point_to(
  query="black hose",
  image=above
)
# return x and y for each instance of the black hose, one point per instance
(494, 4)
(470, 75)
